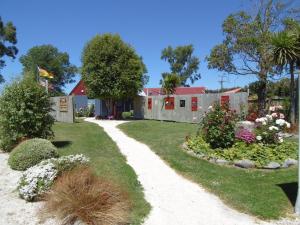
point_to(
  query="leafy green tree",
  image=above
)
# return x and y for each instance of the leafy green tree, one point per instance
(286, 53)
(246, 49)
(170, 83)
(111, 69)
(7, 35)
(51, 59)
(182, 63)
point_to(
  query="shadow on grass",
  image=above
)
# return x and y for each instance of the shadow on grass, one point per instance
(290, 189)
(61, 144)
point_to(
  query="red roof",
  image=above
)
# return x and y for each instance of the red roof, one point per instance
(79, 89)
(233, 91)
(178, 91)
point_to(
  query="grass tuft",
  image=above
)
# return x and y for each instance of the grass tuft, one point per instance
(80, 195)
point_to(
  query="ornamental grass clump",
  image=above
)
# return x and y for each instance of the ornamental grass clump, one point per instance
(79, 195)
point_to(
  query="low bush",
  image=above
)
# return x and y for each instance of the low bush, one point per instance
(36, 180)
(218, 126)
(79, 195)
(126, 115)
(31, 152)
(259, 153)
(24, 110)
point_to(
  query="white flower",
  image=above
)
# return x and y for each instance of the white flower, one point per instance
(258, 138)
(210, 107)
(272, 108)
(281, 116)
(264, 123)
(273, 128)
(280, 122)
(269, 117)
(280, 139)
(288, 125)
(278, 107)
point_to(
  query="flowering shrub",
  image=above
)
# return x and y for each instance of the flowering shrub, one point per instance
(38, 179)
(259, 153)
(269, 128)
(218, 126)
(245, 136)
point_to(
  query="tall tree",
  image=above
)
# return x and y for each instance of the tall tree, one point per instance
(246, 49)
(182, 63)
(8, 40)
(111, 69)
(286, 53)
(51, 59)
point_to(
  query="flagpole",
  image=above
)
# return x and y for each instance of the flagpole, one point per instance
(297, 205)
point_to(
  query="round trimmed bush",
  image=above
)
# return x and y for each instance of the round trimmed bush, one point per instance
(31, 152)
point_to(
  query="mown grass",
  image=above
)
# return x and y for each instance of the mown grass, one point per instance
(265, 194)
(90, 140)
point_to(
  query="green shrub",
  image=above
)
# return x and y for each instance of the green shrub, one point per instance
(218, 126)
(126, 115)
(31, 152)
(24, 110)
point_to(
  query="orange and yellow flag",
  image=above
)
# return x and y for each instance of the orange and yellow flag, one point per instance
(45, 73)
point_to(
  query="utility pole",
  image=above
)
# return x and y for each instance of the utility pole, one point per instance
(222, 81)
(297, 206)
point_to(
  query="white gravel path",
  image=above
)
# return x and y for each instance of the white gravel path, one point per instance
(13, 210)
(174, 199)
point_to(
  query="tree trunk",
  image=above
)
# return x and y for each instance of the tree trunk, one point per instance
(262, 97)
(292, 95)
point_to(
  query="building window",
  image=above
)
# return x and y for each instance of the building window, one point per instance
(194, 103)
(182, 103)
(169, 103)
(149, 103)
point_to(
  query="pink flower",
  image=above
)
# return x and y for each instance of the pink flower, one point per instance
(274, 115)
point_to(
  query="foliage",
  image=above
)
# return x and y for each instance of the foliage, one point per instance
(7, 35)
(24, 110)
(82, 112)
(51, 59)
(182, 63)
(79, 195)
(31, 152)
(38, 179)
(260, 154)
(218, 126)
(246, 49)
(246, 136)
(111, 69)
(106, 160)
(170, 83)
(126, 115)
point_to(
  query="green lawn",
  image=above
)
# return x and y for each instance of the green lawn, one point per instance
(265, 194)
(90, 140)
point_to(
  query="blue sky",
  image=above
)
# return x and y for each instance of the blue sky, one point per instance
(149, 26)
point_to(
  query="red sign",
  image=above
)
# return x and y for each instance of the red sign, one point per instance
(169, 103)
(224, 99)
(194, 103)
(149, 103)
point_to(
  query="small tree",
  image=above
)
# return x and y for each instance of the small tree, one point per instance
(246, 49)
(182, 63)
(170, 83)
(111, 69)
(286, 53)
(51, 59)
(7, 35)
(24, 110)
